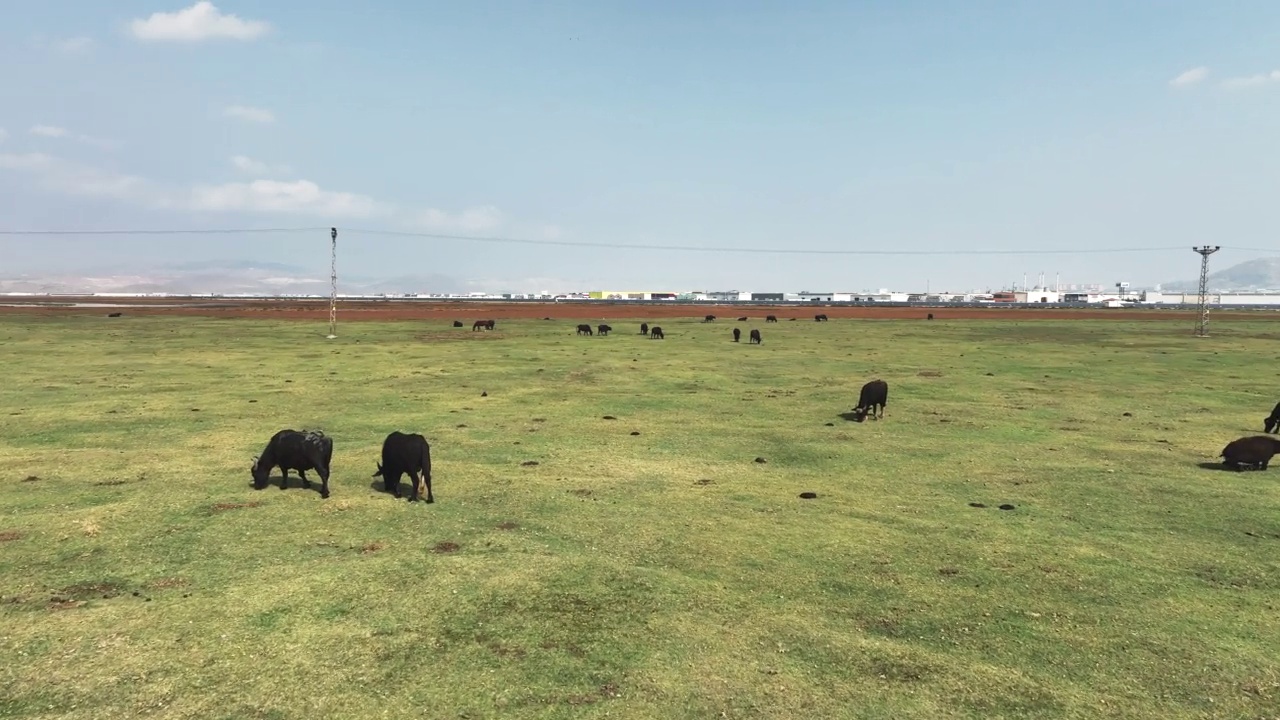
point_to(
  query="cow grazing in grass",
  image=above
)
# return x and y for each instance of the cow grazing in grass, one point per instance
(736, 334)
(771, 318)
(742, 319)
(821, 317)
(584, 329)
(114, 314)
(603, 329)
(874, 394)
(655, 333)
(755, 337)
(295, 450)
(483, 325)
(644, 328)
(457, 323)
(405, 454)
(1272, 423)
(709, 318)
(1250, 452)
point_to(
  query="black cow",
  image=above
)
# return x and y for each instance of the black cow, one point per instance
(655, 333)
(1250, 452)
(709, 318)
(457, 323)
(755, 337)
(603, 329)
(294, 450)
(405, 454)
(742, 319)
(930, 316)
(822, 317)
(114, 314)
(584, 329)
(736, 334)
(490, 324)
(482, 325)
(874, 393)
(644, 328)
(1272, 423)
(771, 318)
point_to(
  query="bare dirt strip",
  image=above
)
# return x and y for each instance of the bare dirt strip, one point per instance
(468, 311)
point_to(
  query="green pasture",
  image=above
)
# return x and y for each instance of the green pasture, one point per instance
(646, 566)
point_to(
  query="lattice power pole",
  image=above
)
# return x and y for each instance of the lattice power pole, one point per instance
(1202, 305)
(333, 281)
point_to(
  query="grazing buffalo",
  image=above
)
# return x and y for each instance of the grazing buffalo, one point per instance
(709, 318)
(483, 325)
(655, 333)
(771, 318)
(930, 316)
(404, 454)
(755, 337)
(1272, 423)
(294, 450)
(742, 319)
(736, 334)
(874, 394)
(821, 317)
(457, 323)
(114, 314)
(584, 329)
(1250, 452)
(603, 329)
(644, 328)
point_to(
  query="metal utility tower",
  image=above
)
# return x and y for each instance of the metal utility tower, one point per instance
(1202, 305)
(333, 281)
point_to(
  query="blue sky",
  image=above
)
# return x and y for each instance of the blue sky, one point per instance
(902, 125)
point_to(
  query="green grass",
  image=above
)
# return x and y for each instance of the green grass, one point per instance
(659, 575)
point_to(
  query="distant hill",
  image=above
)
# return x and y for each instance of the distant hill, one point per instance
(232, 277)
(1259, 274)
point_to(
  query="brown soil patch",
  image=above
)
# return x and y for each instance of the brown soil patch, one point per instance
(111, 483)
(372, 547)
(445, 312)
(581, 492)
(929, 373)
(10, 536)
(223, 507)
(508, 525)
(446, 547)
(64, 604)
(91, 590)
(167, 583)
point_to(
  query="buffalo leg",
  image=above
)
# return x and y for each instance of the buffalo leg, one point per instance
(324, 483)
(305, 482)
(392, 483)
(426, 480)
(284, 478)
(413, 477)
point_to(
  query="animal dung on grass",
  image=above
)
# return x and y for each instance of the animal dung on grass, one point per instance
(761, 460)
(808, 495)
(634, 433)
(1006, 506)
(976, 505)
(529, 463)
(608, 417)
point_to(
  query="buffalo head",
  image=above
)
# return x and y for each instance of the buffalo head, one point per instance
(259, 473)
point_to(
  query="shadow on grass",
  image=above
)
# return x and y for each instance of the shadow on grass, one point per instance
(293, 483)
(1224, 468)
(850, 416)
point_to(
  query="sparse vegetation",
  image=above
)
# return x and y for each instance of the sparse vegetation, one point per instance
(572, 569)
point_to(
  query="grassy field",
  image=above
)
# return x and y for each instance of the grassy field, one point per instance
(647, 566)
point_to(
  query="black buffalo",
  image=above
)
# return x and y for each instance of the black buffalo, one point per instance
(742, 319)
(457, 323)
(930, 316)
(294, 450)
(1272, 423)
(736, 334)
(822, 317)
(874, 394)
(483, 325)
(709, 318)
(655, 333)
(584, 329)
(603, 329)
(405, 454)
(114, 314)
(644, 328)
(755, 337)
(771, 318)
(1250, 452)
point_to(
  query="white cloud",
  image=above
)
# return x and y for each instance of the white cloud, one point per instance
(250, 166)
(249, 114)
(202, 21)
(485, 217)
(300, 197)
(1190, 77)
(73, 46)
(71, 178)
(49, 131)
(1252, 80)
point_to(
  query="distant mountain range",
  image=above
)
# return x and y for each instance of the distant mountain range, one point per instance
(233, 277)
(1259, 274)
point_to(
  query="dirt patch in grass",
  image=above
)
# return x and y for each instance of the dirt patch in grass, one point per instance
(224, 507)
(446, 547)
(508, 525)
(704, 481)
(83, 591)
(581, 492)
(31, 478)
(10, 536)
(372, 547)
(507, 651)
(167, 583)
(929, 373)
(110, 483)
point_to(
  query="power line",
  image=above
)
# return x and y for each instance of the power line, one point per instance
(612, 246)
